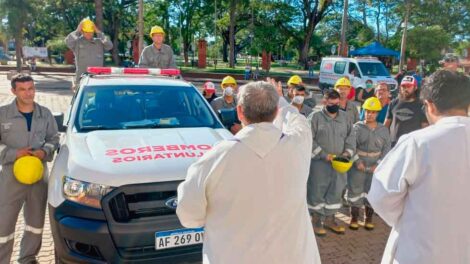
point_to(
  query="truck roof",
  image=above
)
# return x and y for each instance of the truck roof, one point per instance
(118, 80)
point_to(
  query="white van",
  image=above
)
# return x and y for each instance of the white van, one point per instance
(358, 69)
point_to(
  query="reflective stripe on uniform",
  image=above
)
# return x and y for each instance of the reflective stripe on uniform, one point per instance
(49, 146)
(33, 230)
(5, 239)
(333, 206)
(356, 198)
(316, 152)
(317, 207)
(368, 154)
(356, 157)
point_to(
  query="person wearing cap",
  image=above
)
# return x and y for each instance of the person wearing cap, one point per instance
(332, 136)
(299, 99)
(382, 93)
(343, 86)
(88, 50)
(158, 54)
(420, 188)
(209, 92)
(372, 144)
(228, 100)
(26, 129)
(405, 113)
(251, 205)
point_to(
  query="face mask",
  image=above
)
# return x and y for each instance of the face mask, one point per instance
(228, 91)
(369, 85)
(298, 100)
(332, 108)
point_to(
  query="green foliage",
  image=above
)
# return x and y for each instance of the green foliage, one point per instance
(427, 42)
(57, 45)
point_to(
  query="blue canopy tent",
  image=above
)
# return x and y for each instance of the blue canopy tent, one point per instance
(375, 49)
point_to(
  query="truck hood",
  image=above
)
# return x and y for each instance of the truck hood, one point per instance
(121, 157)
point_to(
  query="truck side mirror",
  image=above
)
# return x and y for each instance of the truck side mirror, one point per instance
(59, 119)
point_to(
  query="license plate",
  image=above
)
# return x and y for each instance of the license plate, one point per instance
(178, 238)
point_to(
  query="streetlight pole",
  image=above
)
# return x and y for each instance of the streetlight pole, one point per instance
(403, 38)
(343, 46)
(141, 26)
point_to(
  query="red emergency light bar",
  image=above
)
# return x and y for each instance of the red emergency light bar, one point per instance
(116, 70)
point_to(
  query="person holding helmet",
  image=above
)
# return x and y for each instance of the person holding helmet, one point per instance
(372, 144)
(343, 86)
(28, 139)
(209, 91)
(332, 137)
(88, 50)
(158, 54)
(228, 100)
(405, 113)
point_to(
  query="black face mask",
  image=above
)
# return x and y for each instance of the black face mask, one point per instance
(333, 109)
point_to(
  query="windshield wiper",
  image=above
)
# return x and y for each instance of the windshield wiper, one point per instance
(146, 124)
(97, 127)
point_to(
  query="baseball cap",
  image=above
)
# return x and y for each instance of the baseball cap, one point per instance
(409, 81)
(209, 86)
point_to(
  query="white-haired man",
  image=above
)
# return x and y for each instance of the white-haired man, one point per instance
(252, 206)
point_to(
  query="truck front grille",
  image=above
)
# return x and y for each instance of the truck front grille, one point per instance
(140, 201)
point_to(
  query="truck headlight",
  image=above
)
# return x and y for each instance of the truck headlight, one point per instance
(85, 193)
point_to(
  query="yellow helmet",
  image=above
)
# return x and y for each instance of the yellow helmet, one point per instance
(294, 79)
(372, 104)
(156, 30)
(28, 169)
(88, 25)
(341, 165)
(228, 80)
(342, 82)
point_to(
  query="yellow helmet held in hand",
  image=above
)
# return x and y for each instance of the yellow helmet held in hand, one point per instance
(372, 104)
(156, 30)
(28, 169)
(341, 165)
(342, 82)
(294, 80)
(88, 26)
(228, 80)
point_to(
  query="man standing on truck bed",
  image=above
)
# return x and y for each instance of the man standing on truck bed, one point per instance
(247, 220)
(26, 129)
(88, 50)
(158, 54)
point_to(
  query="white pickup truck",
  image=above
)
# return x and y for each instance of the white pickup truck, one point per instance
(129, 140)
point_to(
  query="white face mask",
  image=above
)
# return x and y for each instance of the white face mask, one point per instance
(298, 99)
(228, 91)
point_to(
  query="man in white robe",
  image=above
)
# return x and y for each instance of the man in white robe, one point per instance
(251, 204)
(421, 186)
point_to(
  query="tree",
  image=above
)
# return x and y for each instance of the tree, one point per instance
(99, 13)
(427, 42)
(18, 14)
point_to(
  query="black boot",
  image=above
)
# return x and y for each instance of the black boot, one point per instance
(354, 216)
(369, 213)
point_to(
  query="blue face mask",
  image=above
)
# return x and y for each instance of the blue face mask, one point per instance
(369, 85)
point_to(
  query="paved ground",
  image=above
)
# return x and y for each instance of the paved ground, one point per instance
(360, 246)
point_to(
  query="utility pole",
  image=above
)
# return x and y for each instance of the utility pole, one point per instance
(343, 45)
(403, 38)
(141, 26)
(215, 35)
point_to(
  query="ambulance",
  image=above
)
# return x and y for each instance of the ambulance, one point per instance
(130, 137)
(359, 70)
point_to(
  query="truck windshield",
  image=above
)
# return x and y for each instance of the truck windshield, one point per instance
(131, 107)
(373, 69)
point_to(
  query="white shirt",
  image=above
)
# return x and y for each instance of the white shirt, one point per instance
(421, 190)
(250, 194)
